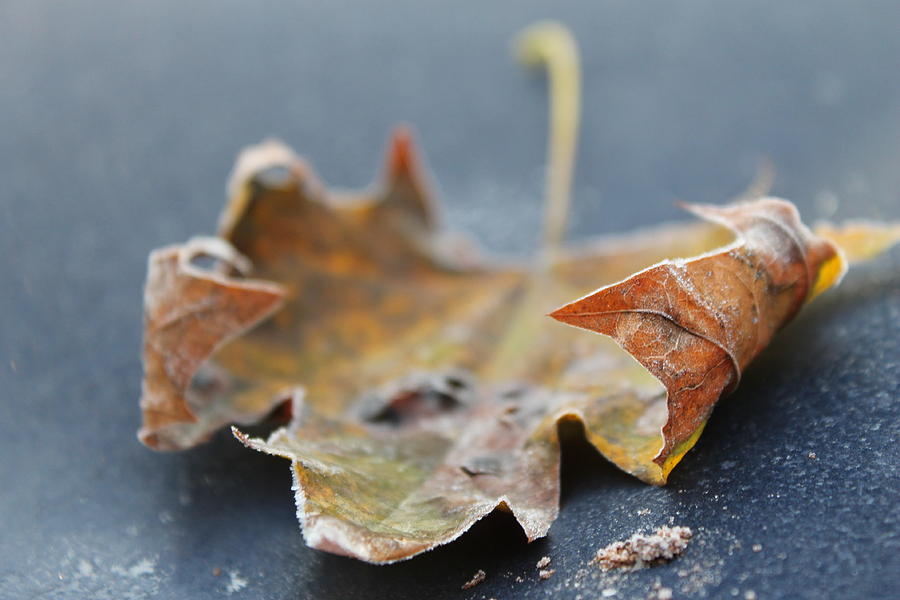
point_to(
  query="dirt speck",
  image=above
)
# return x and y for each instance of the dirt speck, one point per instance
(658, 592)
(812, 456)
(749, 595)
(145, 566)
(546, 573)
(85, 568)
(216, 571)
(235, 582)
(477, 578)
(756, 547)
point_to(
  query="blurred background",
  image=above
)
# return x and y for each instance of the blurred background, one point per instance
(119, 123)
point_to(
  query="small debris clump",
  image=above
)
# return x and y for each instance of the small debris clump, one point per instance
(546, 573)
(543, 563)
(659, 592)
(642, 550)
(756, 547)
(477, 578)
(664, 594)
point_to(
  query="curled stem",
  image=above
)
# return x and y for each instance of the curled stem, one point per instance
(551, 45)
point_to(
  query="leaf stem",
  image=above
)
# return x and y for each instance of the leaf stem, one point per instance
(550, 45)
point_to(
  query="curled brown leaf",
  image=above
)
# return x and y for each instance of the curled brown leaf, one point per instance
(188, 313)
(695, 324)
(427, 382)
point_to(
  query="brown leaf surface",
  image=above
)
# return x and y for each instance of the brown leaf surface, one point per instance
(362, 286)
(188, 313)
(427, 383)
(696, 324)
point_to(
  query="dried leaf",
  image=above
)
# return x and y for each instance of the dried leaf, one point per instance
(425, 382)
(431, 382)
(697, 324)
(188, 313)
(358, 282)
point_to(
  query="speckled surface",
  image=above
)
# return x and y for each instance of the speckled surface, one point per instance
(119, 125)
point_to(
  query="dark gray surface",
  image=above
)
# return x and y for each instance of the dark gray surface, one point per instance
(120, 122)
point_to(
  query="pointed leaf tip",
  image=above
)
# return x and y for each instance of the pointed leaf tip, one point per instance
(406, 183)
(401, 149)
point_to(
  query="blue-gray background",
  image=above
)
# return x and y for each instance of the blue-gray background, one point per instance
(119, 122)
